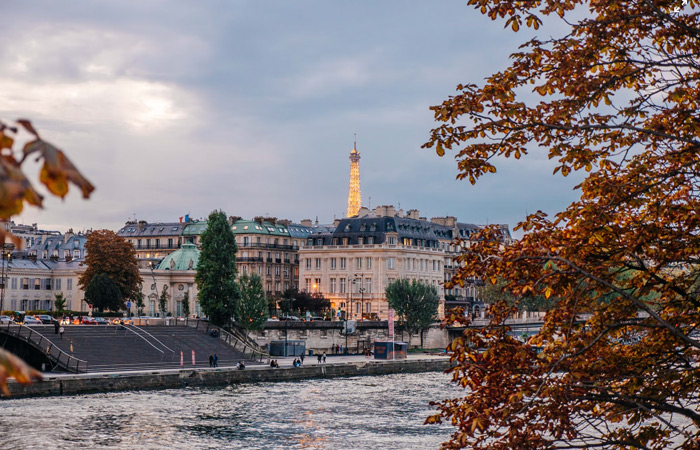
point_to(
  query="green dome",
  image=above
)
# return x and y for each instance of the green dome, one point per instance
(185, 258)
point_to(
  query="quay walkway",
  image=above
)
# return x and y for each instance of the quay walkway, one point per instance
(227, 374)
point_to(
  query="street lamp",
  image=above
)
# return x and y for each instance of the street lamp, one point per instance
(361, 290)
(5, 270)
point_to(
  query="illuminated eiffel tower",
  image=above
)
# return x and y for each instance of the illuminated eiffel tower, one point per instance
(354, 196)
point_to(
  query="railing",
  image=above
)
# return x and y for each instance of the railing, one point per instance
(235, 339)
(129, 328)
(53, 353)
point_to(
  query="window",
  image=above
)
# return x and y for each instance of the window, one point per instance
(317, 283)
(286, 272)
(342, 263)
(358, 263)
(269, 271)
(170, 243)
(342, 286)
(391, 263)
(69, 284)
(308, 285)
(308, 263)
(318, 263)
(368, 263)
(76, 253)
(277, 271)
(25, 283)
(37, 284)
(368, 285)
(434, 265)
(332, 286)
(333, 260)
(368, 307)
(47, 284)
(58, 284)
(14, 283)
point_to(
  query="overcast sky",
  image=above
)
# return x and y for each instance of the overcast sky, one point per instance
(175, 107)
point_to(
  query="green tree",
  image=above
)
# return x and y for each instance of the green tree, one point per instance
(59, 302)
(416, 304)
(139, 304)
(251, 309)
(186, 304)
(163, 301)
(104, 294)
(302, 301)
(216, 270)
(612, 95)
(110, 254)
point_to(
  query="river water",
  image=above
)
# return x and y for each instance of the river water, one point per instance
(382, 412)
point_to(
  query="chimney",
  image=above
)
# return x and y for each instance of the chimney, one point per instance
(336, 222)
(306, 223)
(69, 234)
(142, 225)
(233, 219)
(413, 214)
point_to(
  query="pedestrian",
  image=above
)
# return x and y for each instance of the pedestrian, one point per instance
(319, 358)
(211, 360)
(337, 349)
(324, 357)
(55, 327)
(341, 349)
(216, 360)
(301, 359)
(60, 332)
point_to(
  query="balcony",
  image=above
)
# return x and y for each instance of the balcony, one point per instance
(249, 259)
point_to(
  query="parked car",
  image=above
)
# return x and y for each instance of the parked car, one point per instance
(89, 321)
(290, 318)
(101, 321)
(45, 318)
(31, 320)
(5, 319)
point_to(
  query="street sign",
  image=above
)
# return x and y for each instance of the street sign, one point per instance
(128, 304)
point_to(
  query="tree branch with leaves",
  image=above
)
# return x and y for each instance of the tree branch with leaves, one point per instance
(614, 98)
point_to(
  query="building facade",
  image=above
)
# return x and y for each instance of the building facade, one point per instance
(352, 263)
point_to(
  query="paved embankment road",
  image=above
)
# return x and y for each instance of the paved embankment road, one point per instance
(336, 366)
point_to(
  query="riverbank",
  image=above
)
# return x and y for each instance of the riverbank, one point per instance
(71, 384)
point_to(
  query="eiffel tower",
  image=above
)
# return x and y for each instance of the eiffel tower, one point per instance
(354, 196)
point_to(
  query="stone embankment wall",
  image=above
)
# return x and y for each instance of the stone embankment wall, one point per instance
(87, 383)
(323, 336)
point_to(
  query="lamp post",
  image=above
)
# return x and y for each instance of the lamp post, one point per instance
(361, 290)
(153, 274)
(5, 271)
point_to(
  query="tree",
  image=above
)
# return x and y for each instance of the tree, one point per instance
(59, 302)
(110, 254)
(104, 294)
(416, 304)
(186, 304)
(302, 301)
(163, 301)
(15, 189)
(216, 270)
(614, 98)
(139, 304)
(251, 309)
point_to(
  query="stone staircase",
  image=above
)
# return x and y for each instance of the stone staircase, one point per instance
(110, 348)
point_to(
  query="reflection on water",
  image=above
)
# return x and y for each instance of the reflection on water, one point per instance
(343, 413)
